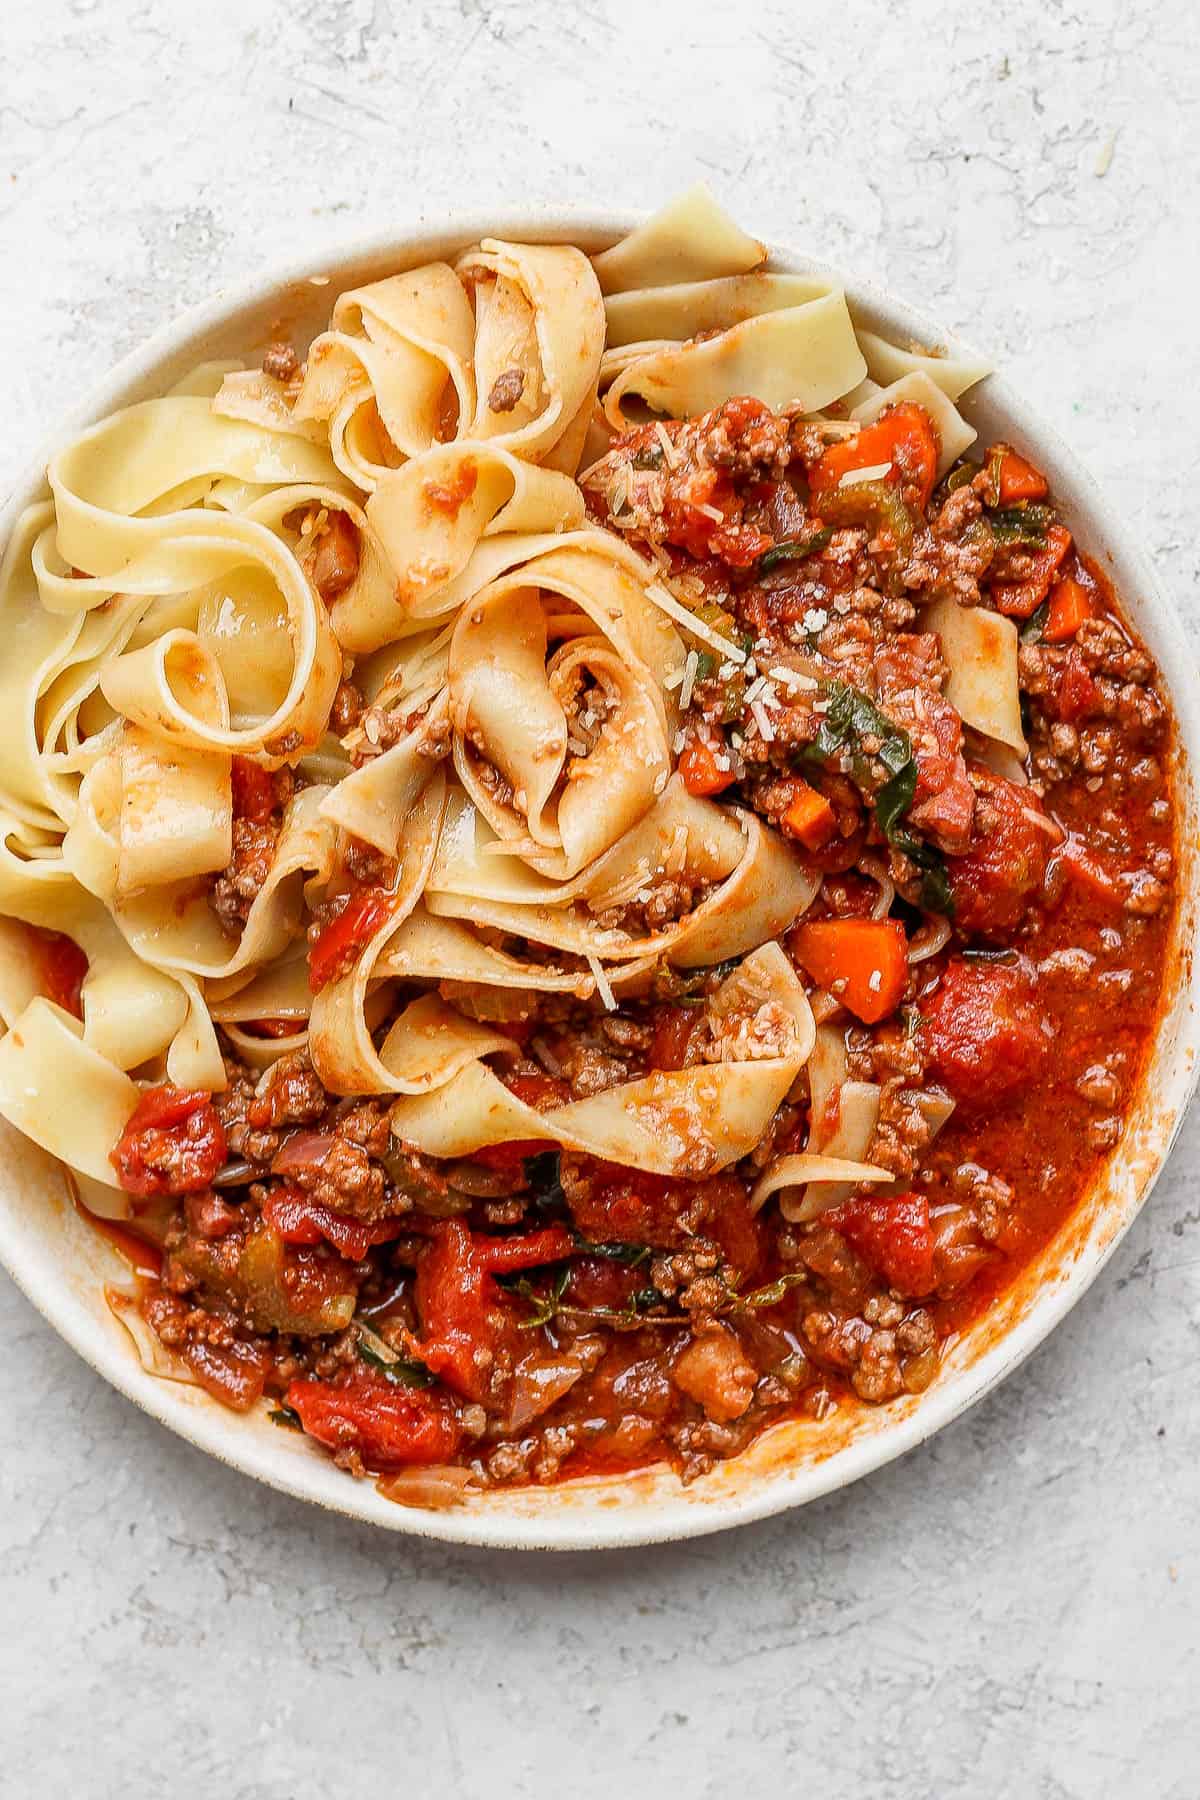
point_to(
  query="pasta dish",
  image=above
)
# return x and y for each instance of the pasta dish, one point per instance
(582, 869)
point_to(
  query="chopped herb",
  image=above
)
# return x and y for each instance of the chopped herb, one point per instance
(990, 956)
(642, 1300)
(851, 719)
(774, 1291)
(542, 1172)
(964, 473)
(1024, 524)
(894, 799)
(1035, 624)
(285, 1416)
(545, 1306)
(910, 1018)
(630, 1254)
(649, 458)
(379, 1355)
(794, 549)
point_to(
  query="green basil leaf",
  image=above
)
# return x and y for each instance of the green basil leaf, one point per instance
(794, 549)
(287, 1417)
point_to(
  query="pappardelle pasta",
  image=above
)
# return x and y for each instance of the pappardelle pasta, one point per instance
(547, 837)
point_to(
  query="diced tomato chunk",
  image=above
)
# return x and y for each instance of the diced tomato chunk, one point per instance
(173, 1143)
(611, 1204)
(863, 962)
(1020, 599)
(1005, 864)
(299, 1219)
(64, 968)
(387, 1423)
(338, 945)
(904, 436)
(671, 1033)
(892, 1231)
(253, 791)
(1072, 693)
(603, 1283)
(986, 1035)
(464, 1318)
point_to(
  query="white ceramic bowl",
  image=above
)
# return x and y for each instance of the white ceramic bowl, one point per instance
(62, 1264)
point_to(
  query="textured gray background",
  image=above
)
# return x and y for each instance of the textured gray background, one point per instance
(1013, 1610)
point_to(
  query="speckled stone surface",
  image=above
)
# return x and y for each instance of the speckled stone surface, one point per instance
(1013, 1611)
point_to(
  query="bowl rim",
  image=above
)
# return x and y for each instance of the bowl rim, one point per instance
(210, 1428)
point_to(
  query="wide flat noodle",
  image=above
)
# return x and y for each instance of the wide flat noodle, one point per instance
(804, 356)
(380, 377)
(42, 1057)
(756, 885)
(980, 648)
(689, 239)
(887, 362)
(429, 517)
(539, 336)
(683, 1122)
(674, 314)
(519, 711)
(164, 614)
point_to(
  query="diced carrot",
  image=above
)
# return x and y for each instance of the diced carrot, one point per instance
(863, 963)
(1019, 480)
(809, 817)
(700, 770)
(904, 436)
(1021, 599)
(1070, 605)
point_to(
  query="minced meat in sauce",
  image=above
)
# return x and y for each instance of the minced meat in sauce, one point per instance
(529, 1315)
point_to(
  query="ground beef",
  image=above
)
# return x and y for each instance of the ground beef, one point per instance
(244, 1139)
(240, 883)
(289, 1093)
(280, 362)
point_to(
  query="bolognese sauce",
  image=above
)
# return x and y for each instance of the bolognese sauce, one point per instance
(987, 950)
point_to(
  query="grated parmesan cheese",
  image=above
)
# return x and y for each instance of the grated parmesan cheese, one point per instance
(696, 628)
(875, 980)
(765, 728)
(689, 680)
(856, 477)
(792, 678)
(601, 980)
(668, 449)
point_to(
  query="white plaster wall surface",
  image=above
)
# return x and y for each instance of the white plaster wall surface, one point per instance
(1013, 1611)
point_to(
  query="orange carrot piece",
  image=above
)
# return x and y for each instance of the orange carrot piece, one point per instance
(700, 771)
(862, 962)
(1019, 480)
(904, 436)
(1070, 605)
(1021, 599)
(809, 817)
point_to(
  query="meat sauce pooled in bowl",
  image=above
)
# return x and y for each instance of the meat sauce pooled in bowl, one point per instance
(675, 906)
